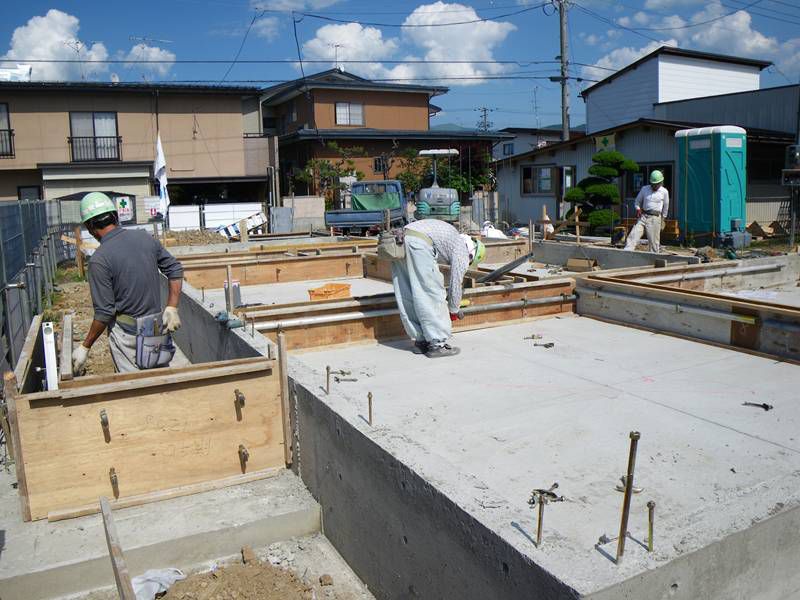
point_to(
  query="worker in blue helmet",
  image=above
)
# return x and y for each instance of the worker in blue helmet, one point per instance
(125, 283)
(652, 207)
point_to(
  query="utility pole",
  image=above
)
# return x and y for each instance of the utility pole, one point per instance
(484, 124)
(562, 18)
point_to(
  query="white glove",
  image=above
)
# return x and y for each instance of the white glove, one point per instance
(79, 356)
(170, 320)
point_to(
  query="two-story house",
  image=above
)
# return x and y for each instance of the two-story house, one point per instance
(530, 138)
(61, 139)
(637, 111)
(382, 118)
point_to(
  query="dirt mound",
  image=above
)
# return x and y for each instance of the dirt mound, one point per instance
(196, 237)
(252, 581)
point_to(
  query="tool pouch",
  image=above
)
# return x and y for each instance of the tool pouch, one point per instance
(390, 245)
(153, 349)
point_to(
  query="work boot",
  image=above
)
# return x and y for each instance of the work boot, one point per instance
(439, 350)
(420, 347)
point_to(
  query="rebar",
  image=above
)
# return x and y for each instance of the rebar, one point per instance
(626, 502)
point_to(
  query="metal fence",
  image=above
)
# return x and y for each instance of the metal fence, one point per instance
(30, 250)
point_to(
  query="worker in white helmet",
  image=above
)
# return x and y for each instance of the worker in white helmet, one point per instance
(125, 282)
(652, 207)
(427, 309)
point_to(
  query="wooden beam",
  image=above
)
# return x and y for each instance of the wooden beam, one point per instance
(23, 366)
(121, 575)
(121, 386)
(168, 494)
(79, 252)
(66, 347)
(210, 274)
(11, 394)
(283, 368)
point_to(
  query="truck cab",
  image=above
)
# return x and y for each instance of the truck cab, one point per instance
(369, 201)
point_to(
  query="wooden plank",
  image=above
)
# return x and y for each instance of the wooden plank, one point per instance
(283, 367)
(168, 494)
(10, 393)
(121, 575)
(277, 270)
(79, 258)
(159, 438)
(117, 377)
(23, 367)
(66, 348)
(129, 385)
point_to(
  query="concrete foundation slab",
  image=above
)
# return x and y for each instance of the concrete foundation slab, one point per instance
(463, 442)
(42, 560)
(295, 291)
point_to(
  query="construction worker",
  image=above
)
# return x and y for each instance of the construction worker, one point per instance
(426, 309)
(124, 281)
(652, 206)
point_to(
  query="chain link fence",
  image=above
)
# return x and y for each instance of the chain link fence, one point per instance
(30, 250)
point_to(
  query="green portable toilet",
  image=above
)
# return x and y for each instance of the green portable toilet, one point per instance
(712, 179)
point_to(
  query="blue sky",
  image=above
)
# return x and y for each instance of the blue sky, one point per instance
(603, 36)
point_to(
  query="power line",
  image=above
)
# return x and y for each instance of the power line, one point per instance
(415, 25)
(510, 77)
(613, 23)
(697, 24)
(765, 16)
(241, 46)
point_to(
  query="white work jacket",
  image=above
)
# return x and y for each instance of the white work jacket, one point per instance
(657, 201)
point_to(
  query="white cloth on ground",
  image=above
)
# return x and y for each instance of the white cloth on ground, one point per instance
(646, 223)
(420, 293)
(155, 581)
(449, 250)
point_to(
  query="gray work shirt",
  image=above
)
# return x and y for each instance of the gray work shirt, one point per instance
(124, 274)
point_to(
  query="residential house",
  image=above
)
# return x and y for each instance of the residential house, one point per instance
(62, 139)
(382, 118)
(637, 111)
(530, 138)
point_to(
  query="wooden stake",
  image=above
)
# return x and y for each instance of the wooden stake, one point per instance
(369, 402)
(229, 291)
(530, 236)
(121, 575)
(283, 368)
(577, 226)
(244, 235)
(66, 347)
(14, 444)
(79, 251)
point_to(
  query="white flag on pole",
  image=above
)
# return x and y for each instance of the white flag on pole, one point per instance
(160, 173)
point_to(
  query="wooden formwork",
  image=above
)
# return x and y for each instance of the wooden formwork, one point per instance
(144, 436)
(212, 273)
(375, 318)
(355, 245)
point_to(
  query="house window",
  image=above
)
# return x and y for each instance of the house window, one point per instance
(569, 178)
(293, 111)
(379, 164)
(29, 192)
(536, 180)
(508, 149)
(6, 133)
(93, 136)
(349, 113)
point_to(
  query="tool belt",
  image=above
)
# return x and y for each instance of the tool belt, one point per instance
(153, 348)
(653, 213)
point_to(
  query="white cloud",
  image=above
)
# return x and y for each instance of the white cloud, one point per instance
(468, 42)
(143, 52)
(592, 39)
(355, 42)
(789, 59)
(641, 18)
(670, 4)
(266, 27)
(624, 21)
(55, 36)
(732, 35)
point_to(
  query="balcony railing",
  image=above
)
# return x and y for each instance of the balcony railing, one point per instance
(95, 148)
(6, 143)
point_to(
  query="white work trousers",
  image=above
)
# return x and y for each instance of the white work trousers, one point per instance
(646, 223)
(420, 292)
(123, 350)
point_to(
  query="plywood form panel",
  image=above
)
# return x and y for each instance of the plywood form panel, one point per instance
(160, 438)
(277, 271)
